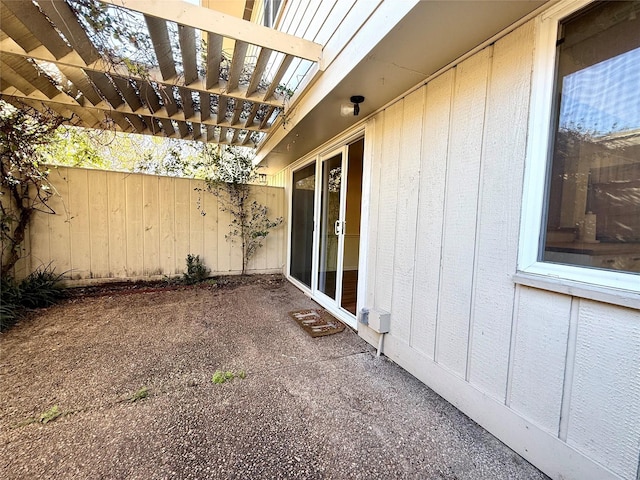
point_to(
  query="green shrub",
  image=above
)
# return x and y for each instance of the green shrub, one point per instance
(9, 302)
(196, 271)
(42, 288)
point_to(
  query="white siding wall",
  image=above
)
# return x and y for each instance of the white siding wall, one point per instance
(112, 225)
(556, 377)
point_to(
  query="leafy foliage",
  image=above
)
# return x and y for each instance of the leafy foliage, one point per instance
(24, 186)
(196, 270)
(42, 288)
(233, 172)
(108, 150)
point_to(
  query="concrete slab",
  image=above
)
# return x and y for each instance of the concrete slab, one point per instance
(308, 408)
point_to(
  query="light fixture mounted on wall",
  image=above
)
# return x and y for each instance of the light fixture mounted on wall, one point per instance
(352, 108)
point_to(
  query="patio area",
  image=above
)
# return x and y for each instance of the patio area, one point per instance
(308, 408)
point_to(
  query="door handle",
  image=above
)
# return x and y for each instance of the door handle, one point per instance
(336, 228)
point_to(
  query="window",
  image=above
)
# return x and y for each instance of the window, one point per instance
(593, 207)
(271, 9)
(582, 200)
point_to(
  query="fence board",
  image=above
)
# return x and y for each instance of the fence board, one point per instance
(166, 202)
(135, 225)
(115, 225)
(99, 223)
(79, 221)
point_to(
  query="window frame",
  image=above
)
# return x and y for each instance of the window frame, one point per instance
(618, 287)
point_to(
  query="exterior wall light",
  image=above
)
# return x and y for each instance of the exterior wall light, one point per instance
(353, 108)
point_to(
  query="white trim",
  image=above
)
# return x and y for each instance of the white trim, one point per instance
(598, 293)
(621, 288)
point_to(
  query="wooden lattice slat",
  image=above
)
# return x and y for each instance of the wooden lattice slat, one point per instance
(128, 92)
(106, 88)
(31, 74)
(81, 82)
(214, 56)
(162, 46)
(29, 15)
(64, 19)
(187, 39)
(237, 64)
(258, 72)
(286, 62)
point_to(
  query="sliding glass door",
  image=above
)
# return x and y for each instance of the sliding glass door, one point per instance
(330, 225)
(302, 212)
(325, 252)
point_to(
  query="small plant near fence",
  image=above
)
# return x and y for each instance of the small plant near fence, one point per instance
(231, 183)
(196, 270)
(42, 288)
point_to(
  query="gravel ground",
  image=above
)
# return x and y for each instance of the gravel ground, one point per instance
(308, 408)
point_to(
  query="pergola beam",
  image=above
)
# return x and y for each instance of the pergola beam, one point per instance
(10, 47)
(213, 21)
(49, 59)
(160, 113)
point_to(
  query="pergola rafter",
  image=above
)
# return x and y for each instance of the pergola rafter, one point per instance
(192, 90)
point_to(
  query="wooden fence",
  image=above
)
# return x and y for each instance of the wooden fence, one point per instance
(113, 225)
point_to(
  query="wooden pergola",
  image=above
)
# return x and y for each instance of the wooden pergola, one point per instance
(213, 77)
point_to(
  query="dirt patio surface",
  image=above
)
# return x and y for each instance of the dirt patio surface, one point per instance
(308, 408)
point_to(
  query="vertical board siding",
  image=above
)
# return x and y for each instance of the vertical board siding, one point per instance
(499, 211)
(566, 367)
(373, 146)
(539, 356)
(461, 202)
(604, 413)
(117, 225)
(387, 206)
(407, 211)
(428, 247)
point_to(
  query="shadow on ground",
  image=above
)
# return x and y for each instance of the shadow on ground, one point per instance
(308, 408)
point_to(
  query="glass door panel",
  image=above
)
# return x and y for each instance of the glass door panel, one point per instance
(330, 225)
(302, 211)
(351, 256)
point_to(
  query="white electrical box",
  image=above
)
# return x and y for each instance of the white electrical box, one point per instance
(379, 320)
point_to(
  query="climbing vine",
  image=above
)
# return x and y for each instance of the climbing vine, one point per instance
(24, 183)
